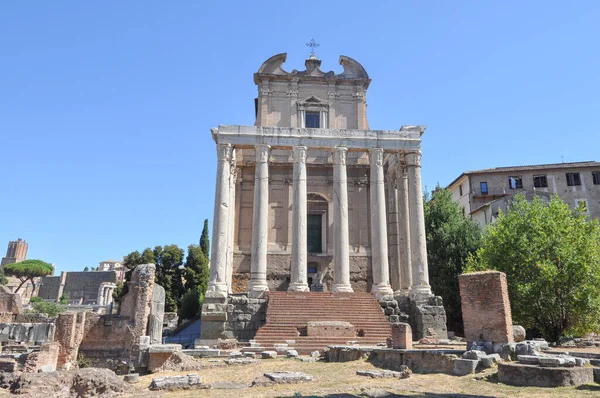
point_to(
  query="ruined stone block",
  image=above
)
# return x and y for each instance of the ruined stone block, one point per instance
(464, 366)
(330, 329)
(402, 336)
(486, 307)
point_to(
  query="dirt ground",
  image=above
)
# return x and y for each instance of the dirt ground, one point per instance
(340, 380)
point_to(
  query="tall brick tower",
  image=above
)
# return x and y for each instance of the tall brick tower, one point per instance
(16, 252)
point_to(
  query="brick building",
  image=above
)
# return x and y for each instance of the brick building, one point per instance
(481, 193)
(16, 252)
(79, 287)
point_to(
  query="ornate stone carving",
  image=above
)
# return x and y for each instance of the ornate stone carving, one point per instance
(333, 94)
(224, 152)
(413, 159)
(291, 93)
(262, 153)
(358, 94)
(339, 155)
(300, 154)
(377, 154)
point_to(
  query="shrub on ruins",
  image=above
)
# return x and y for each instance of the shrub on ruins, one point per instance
(551, 257)
(49, 308)
(451, 238)
(3, 278)
(28, 270)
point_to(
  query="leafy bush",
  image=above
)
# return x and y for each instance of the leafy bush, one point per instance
(50, 309)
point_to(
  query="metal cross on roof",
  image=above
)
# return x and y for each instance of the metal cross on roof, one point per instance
(312, 44)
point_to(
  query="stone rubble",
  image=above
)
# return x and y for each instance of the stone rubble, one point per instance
(239, 361)
(171, 383)
(268, 354)
(288, 377)
(386, 374)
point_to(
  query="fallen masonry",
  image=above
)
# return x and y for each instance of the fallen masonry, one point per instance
(239, 361)
(517, 374)
(273, 378)
(170, 383)
(386, 374)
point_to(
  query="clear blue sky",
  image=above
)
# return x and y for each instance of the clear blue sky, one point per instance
(105, 107)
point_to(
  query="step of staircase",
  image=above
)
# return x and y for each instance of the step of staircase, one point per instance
(288, 314)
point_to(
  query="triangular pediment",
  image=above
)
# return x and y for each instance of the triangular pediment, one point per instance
(313, 100)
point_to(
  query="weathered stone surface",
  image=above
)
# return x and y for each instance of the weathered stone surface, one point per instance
(518, 333)
(508, 352)
(26, 332)
(292, 353)
(531, 347)
(239, 361)
(596, 375)
(345, 353)
(203, 352)
(157, 312)
(402, 336)
(474, 354)
(330, 329)
(464, 366)
(489, 361)
(235, 354)
(536, 376)
(10, 303)
(557, 361)
(268, 354)
(87, 382)
(419, 361)
(288, 377)
(386, 374)
(171, 383)
(175, 361)
(529, 359)
(486, 307)
(315, 354)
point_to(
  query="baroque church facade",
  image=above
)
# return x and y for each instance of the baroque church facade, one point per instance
(311, 199)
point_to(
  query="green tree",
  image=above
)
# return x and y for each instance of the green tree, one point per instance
(28, 270)
(451, 239)
(196, 269)
(3, 278)
(86, 269)
(190, 304)
(204, 240)
(551, 257)
(169, 274)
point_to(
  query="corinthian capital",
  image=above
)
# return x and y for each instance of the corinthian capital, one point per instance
(339, 155)
(413, 159)
(224, 152)
(262, 153)
(300, 154)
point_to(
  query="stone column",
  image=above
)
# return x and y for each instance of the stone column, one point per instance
(341, 247)
(217, 284)
(231, 227)
(379, 243)
(260, 221)
(404, 229)
(420, 288)
(299, 220)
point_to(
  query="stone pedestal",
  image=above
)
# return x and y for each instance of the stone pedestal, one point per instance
(402, 336)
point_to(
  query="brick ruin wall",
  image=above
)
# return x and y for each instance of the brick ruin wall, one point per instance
(69, 334)
(486, 307)
(244, 317)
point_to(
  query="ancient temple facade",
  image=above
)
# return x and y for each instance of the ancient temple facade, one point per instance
(311, 199)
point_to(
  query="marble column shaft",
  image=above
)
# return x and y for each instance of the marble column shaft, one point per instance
(217, 283)
(341, 247)
(404, 229)
(260, 221)
(379, 241)
(299, 223)
(420, 288)
(231, 228)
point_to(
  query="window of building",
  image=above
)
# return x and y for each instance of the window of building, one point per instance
(483, 186)
(596, 177)
(314, 231)
(540, 181)
(573, 179)
(583, 204)
(515, 182)
(313, 120)
(460, 190)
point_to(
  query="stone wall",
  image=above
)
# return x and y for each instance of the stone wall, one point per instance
(26, 332)
(69, 333)
(427, 318)
(49, 288)
(10, 303)
(486, 307)
(105, 332)
(239, 317)
(44, 360)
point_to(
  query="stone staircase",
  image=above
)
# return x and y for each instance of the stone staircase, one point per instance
(289, 312)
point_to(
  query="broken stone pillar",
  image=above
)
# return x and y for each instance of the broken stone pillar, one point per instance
(401, 336)
(68, 334)
(157, 312)
(486, 307)
(10, 304)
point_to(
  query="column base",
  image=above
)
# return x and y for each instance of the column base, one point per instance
(420, 293)
(382, 291)
(403, 292)
(342, 289)
(257, 286)
(298, 287)
(216, 290)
